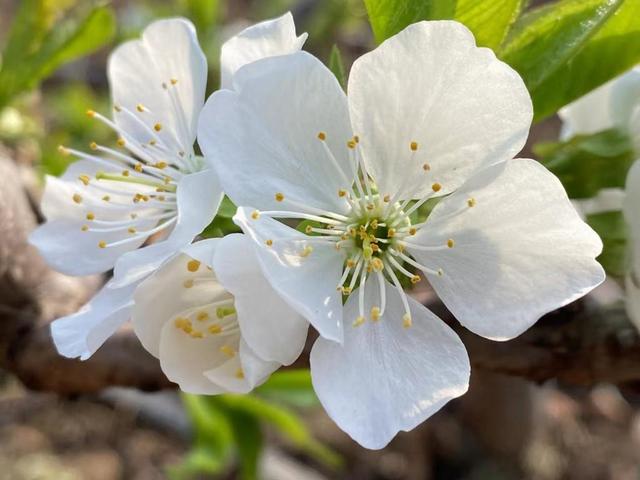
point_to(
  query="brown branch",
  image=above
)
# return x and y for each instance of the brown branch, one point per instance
(582, 344)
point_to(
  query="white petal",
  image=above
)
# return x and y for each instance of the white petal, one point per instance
(272, 329)
(307, 283)
(519, 253)
(168, 50)
(431, 85)
(163, 295)
(608, 106)
(81, 334)
(386, 378)
(262, 40)
(199, 196)
(262, 138)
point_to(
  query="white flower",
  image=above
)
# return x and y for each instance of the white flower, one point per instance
(435, 117)
(219, 329)
(616, 104)
(112, 201)
(632, 216)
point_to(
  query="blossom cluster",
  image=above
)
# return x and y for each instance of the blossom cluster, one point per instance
(344, 200)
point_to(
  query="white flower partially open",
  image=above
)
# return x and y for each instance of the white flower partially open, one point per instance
(632, 216)
(214, 321)
(113, 201)
(434, 116)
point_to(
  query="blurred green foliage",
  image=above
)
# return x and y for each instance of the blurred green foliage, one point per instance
(232, 427)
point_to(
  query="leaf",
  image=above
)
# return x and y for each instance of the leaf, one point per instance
(336, 65)
(292, 387)
(612, 228)
(489, 20)
(587, 164)
(249, 442)
(286, 422)
(614, 49)
(546, 38)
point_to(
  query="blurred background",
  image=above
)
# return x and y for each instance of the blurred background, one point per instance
(505, 428)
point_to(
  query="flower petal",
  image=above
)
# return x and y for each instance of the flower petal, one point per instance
(431, 85)
(263, 138)
(268, 324)
(164, 72)
(81, 334)
(386, 378)
(154, 306)
(199, 196)
(262, 40)
(519, 253)
(307, 282)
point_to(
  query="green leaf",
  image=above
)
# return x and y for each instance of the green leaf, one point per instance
(587, 164)
(286, 422)
(546, 38)
(614, 49)
(249, 442)
(489, 20)
(612, 228)
(292, 387)
(336, 65)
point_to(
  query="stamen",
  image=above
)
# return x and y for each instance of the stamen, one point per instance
(193, 265)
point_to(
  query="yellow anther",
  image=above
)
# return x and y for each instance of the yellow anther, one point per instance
(406, 320)
(91, 216)
(255, 214)
(400, 247)
(228, 350)
(157, 127)
(391, 233)
(426, 167)
(131, 230)
(140, 107)
(63, 150)
(125, 173)
(173, 81)
(415, 279)
(356, 138)
(358, 321)
(214, 329)
(161, 165)
(197, 334)
(351, 263)
(376, 264)
(138, 167)
(450, 243)
(386, 198)
(412, 231)
(102, 244)
(188, 283)
(193, 265)
(306, 251)
(342, 193)
(370, 206)
(84, 228)
(166, 180)
(308, 229)
(77, 198)
(375, 247)
(413, 146)
(471, 202)
(346, 290)
(351, 144)
(202, 316)
(84, 179)
(322, 136)
(279, 197)
(117, 108)
(106, 198)
(240, 374)
(374, 223)
(375, 314)
(93, 146)
(91, 113)
(268, 242)
(436, 187)
(152, 142)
